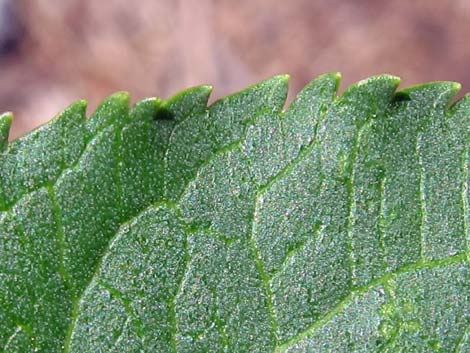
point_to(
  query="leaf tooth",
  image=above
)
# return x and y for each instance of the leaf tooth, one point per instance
(374, 84)
(437, 94)
(371, 94)
(5, 124)
(190, 101)
(328, 82)
(280, 84)
(459, 117)
(145, 110)
(74, 112)
(395, 80)
(461, 105)
(268, 94)
(70, 118)
(112, 109)
(335, 76)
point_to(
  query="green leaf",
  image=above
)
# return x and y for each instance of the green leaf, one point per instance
(340, 224)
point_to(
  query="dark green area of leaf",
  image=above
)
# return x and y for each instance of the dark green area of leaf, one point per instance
(340, 224)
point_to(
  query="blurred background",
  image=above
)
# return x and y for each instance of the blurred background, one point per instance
(53, 52)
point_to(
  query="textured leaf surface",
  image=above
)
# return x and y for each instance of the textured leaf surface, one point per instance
(339, 224)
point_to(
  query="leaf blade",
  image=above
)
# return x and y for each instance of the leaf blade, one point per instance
(181, 227)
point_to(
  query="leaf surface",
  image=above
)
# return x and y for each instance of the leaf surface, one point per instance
(338, 224)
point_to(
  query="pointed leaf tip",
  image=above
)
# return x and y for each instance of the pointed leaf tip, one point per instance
(338, 77)
(6, 118)
(207, 88)
(335, 75)
(282, 78)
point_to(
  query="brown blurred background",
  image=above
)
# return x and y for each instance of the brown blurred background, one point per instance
(53, 52)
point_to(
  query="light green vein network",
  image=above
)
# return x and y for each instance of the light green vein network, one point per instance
(337, 224)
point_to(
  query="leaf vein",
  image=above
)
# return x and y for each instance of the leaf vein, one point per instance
(77, 302)
(57, 215)
(461, 340)
(260, 268)
(179, 289)
(88, 145)
(422, 199)
(291, 254)
(464, 196)
(347, 300)
(12, 337)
